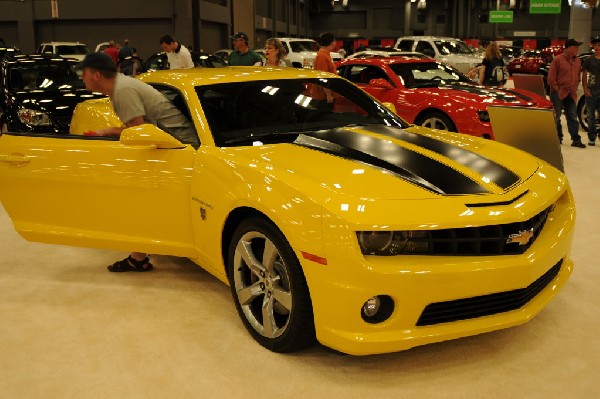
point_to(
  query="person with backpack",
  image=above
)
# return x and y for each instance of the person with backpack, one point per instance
(492, 66)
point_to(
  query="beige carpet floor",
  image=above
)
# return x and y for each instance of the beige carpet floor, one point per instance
(70, 329)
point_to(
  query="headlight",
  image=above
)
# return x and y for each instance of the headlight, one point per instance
(483, 116)
(33, 117)
(388, 243)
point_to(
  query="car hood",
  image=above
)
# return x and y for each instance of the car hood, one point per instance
(484, 95)
(389, 163)
(460, 59)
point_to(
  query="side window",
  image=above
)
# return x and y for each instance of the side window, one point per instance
(353, 73)
(362, 74)
(177, 99)
(425, 48)
(406, 45)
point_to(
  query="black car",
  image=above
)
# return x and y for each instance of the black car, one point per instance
(38, 93)
(7, 51)
(159, 61)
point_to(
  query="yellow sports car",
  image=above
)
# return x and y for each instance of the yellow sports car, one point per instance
(336, 222)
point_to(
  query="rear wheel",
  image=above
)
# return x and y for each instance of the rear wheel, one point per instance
(269, 288)
(582, 114)
(436, 120)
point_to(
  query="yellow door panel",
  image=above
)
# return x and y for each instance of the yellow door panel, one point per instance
(98, 188)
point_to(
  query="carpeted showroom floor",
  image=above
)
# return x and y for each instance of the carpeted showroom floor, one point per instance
(70, 329)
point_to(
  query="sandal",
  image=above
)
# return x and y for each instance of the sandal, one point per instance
(131, 265)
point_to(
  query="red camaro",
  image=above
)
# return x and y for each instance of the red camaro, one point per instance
(428, 93)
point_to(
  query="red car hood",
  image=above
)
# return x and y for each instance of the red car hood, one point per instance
(465, 92)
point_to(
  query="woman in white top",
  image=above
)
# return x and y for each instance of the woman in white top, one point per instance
(275, 53)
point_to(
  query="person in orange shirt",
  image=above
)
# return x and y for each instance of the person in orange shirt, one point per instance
(323, 62)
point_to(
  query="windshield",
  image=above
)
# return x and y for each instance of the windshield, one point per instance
(304, 45)
(427, 74)
(275, 111)
(25, 76)
(446, 47)
(79, 49)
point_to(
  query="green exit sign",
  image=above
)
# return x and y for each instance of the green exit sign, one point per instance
(501, 16)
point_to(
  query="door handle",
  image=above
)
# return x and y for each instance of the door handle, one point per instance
(15, 159)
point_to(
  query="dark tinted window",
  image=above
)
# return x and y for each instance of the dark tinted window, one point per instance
(278, 110)
(28, 76)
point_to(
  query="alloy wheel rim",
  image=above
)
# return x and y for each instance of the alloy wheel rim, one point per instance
(262, 284)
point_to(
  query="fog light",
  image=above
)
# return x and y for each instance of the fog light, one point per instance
(371, 307)
(377, 309)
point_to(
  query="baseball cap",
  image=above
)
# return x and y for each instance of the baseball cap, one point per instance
(99, 61)
(239, 35)
(595, 39)
(572, 42)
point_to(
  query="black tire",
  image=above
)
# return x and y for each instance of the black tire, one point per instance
(582, 115)
(275, 290)
(436, 120)
(3, 126)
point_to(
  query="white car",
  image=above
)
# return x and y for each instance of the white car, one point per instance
(448, 50)
(301, 53)
(386, 53)
(75, 50)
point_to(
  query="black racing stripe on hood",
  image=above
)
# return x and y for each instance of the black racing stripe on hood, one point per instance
(497, 173)
(407, 164)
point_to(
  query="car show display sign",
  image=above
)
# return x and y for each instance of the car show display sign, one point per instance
(501, 16)
(544, 6)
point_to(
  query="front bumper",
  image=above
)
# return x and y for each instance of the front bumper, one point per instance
(342, 286)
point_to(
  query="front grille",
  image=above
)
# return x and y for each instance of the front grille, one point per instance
(484, 240)
(485, 305)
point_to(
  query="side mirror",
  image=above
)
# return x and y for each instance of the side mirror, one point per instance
(381, 83)
(149, 135)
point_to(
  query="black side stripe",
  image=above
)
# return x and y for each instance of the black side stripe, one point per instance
(407, 164)
(496, 173)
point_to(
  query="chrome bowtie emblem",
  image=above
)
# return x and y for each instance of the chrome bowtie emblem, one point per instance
(522, 237)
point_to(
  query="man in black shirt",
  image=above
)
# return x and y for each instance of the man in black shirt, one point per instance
(590, 79)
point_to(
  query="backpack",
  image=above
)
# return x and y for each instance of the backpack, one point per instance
(498, 75)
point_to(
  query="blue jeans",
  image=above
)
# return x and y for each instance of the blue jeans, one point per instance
(592, 104)
(570, 108)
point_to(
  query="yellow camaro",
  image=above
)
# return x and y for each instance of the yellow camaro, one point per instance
(333, 222)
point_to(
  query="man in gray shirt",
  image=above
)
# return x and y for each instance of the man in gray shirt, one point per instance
(135, 103)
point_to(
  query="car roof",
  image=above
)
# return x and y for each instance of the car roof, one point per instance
(40, 58)
(388, 60)
(296, 39)
(430, 38)
(391, 53)
(184, 78)
(62, 43)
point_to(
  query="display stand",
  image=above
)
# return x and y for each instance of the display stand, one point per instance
(529, 129)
